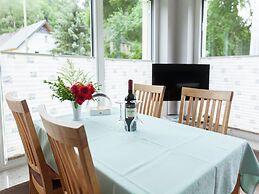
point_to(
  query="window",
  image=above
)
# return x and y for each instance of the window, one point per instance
(127, 29)
(31, 28)
(230, 28)
(48, 27)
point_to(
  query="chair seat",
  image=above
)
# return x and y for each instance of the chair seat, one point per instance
(56, 183)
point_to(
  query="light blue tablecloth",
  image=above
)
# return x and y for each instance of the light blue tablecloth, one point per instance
(164, 157)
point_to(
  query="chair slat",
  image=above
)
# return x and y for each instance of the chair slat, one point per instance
(194, 112)
(206, 114)
(156, 106)
(151, 98)
(145, 101)
(189, 111)
(226, 116)
(211, 111)
(216, 126)
(212, 115)
(181, 114)
(200, 113)
(151, 104)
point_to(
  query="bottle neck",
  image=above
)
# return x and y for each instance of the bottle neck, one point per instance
(130, 86)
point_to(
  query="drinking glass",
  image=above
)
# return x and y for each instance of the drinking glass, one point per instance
(121, 123)
(136, 119)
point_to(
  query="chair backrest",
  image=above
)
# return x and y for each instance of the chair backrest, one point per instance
(72, 155)
(151, 98)
(205, 107)
(33, 151)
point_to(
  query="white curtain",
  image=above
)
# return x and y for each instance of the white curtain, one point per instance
(254, 44)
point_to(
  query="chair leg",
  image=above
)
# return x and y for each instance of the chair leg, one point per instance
(32, 189)
(237, 187)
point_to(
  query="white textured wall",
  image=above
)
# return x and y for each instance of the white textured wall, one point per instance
(118, 72)
(241, 75)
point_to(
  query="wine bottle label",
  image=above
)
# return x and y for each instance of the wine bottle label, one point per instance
(130, 112)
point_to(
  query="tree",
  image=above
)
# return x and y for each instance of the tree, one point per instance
(11, 17)
(123, 27)
(228, 33)
(72, 32)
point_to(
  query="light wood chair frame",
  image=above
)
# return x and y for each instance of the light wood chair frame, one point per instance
(151, 98)
(208, 116)
(33, 151)
(76, 168)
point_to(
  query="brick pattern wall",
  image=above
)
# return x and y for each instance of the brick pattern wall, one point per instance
(118, 72)
(241, 75)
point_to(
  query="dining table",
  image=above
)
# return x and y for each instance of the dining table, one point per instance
(162, 157)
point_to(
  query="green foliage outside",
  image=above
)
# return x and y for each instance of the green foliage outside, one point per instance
(72, 32)
(123, 27)
(228, 33)
(70, 21)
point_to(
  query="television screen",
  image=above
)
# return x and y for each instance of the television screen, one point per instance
(176, 76)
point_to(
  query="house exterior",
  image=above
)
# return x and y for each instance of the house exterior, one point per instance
(35, 38)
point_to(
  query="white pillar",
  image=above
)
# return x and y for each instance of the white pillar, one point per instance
(98, 41)
(25, 25)
(146, 32)
(254, 43)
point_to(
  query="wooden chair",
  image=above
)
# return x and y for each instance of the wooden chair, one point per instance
(43, 179)
(151, 98)
(72, 155)
(205, 107)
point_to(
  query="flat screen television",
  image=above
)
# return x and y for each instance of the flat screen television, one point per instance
(175, 76)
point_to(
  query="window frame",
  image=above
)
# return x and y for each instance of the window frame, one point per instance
(203, 34)
(153, 33)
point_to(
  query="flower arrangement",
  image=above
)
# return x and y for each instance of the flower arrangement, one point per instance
(82, 92)
(72, 84)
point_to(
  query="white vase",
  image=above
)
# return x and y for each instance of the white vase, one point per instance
(76, 111)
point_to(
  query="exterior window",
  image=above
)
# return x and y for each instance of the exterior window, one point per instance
(65, 24)
(230, 28)
(127, 29)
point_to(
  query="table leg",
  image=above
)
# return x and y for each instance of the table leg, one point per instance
(237, 187)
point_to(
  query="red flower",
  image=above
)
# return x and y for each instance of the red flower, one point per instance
(91, 88)
(84, 90)
(80, 99)
(74, 89)
(89, 96)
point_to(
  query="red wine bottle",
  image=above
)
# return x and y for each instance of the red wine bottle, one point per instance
(130, 107)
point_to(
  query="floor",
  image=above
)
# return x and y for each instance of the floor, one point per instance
(12, 177)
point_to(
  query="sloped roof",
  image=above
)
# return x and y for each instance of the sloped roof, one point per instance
(12, 41)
